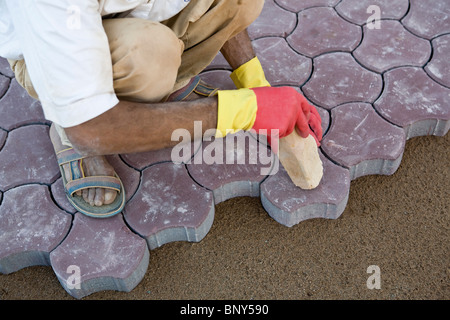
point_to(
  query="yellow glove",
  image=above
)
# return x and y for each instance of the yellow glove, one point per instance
(250, 75)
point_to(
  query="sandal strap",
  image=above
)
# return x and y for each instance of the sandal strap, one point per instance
(67, 155)
(105, 182)
(195, 85)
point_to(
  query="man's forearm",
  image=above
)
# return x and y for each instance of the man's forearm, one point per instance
(132, 127)
(238, 50)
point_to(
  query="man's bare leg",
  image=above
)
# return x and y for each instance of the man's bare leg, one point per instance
(136, 127)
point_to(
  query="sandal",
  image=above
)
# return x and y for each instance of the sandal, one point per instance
(195, 85)
(67, 155)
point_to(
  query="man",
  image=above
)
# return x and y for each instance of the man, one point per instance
(119, 76)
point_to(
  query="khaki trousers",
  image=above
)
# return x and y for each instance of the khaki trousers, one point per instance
(151, 59)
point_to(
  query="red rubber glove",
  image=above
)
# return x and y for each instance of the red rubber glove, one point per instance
(283, 108)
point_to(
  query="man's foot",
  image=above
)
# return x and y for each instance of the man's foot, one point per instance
(91, 166)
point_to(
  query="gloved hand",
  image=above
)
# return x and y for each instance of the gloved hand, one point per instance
(267, 108)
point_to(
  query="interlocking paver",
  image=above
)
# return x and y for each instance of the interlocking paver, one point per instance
(17, 108)
(415, 102)
(281, 64)
(321, 30)
(31, 226)
(273, 21)
(339, 79)
(27, 157)
(296, 6)
(104, 253)
(232, 167)
(289, 205)
(428, 18)
(439, 66)
(169, 206)
(373, 89)
(357, 11)
(393, 47)
(359, 139)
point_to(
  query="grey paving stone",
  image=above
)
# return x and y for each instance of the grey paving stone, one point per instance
(412, 100)
(169, 206)
(27, 157)
(105, 255)
(359, 139)
(290, 205)
(31, 226)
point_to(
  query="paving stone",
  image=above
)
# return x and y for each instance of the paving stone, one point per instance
(233, 167)
(27, 157)
(282, 66)
(321, 30)
(359, 139)
(169, 206)
(296, 5)
(356, 10)
(393, 46)
(219, 62)
(31, 226)
(439, 66)
(339, 79)
(59, 195)
(5, 68)
(143, 160)
(218, 79)
(428, 18)
(104, 253)
(18, 108)
(4, 85)
(415, 102)
(3, 136)
(273, 21)
(290, 205)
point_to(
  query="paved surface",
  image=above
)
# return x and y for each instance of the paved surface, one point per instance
(375, 88)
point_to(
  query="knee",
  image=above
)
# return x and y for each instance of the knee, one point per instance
(249, 11)
(146, 67)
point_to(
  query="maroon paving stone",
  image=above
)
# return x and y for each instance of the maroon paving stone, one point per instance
(415, 102)
(169, 206)
(27, 157)
(18, 108)
(143, 160)
(290, 205)
(339, 79)
(5, 69)
(273, 21)
(31, 226)
(296, 5)
(393, 46)
(321, 30)
(356, 10)
(129, 176)
(282, 66)
(233, 166)
(59, 196)
(218, 79)
(4, 85)
(104, 253)
(428, 18)
(439, 66)
(219, 62)
(359, 139)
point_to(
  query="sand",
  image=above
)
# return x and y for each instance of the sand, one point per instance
(399, 223)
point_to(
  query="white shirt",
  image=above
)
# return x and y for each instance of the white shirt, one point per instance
(67, 52)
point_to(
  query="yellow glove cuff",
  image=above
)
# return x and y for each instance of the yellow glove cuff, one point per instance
(250, 75)
(236, 111)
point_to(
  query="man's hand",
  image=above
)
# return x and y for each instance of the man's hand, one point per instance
(267, 108)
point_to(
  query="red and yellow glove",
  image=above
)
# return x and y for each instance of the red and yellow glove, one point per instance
(267, 108)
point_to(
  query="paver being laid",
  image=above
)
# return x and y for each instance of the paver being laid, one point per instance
(374, 88)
